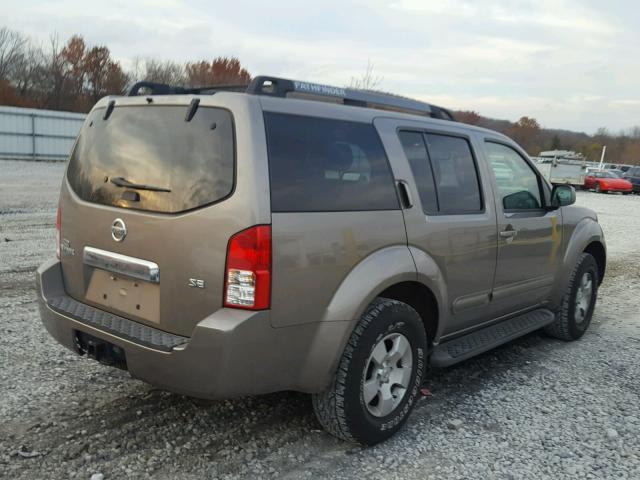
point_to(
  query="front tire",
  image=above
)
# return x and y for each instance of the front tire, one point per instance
(579, 301)
(378, 380)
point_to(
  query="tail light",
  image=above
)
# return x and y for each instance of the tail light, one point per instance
(248, 271)
(58, 228)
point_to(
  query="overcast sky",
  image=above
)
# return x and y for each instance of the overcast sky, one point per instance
(570, 64)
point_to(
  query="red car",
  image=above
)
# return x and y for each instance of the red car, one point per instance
(607, 182)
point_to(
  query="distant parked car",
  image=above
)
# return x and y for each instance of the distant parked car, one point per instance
(617, 172)
(606, 181)
(633, 175)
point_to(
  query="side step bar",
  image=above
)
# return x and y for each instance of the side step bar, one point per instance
(463, 348)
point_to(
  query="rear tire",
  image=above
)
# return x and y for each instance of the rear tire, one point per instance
(579, 301)
(366, 401)
(598, 189)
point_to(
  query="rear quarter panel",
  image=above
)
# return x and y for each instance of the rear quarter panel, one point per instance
(315, 252)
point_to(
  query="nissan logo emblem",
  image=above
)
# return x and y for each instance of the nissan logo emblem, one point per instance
(118, 230)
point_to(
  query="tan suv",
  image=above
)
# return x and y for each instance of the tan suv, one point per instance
(296, 236)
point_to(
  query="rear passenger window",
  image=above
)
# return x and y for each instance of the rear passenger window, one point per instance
(416, 152)
(445, 172)
(318, 164)
(455, 174)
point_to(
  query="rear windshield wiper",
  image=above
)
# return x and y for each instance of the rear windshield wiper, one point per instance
(123, 182)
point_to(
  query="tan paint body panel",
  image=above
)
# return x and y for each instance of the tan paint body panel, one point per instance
(315, 251)
(188, 245)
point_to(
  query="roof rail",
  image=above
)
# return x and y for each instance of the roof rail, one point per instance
(281, 87)
(164, 89)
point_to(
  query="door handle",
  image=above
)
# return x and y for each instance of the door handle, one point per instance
(509, 233)
(405, 193)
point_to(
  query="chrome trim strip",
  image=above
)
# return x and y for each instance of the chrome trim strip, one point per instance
(121, 264)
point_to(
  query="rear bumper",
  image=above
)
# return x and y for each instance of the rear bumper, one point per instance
(230, 353)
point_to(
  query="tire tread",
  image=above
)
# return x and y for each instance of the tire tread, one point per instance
(560, 328)
(329, 405)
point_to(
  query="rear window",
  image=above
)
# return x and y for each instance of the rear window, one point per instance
(445, 172)
(318, 164)
(192, 163)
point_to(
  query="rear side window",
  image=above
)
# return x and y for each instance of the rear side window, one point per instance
(416, 151)
(445, 172)
(318, 164)
(186, 164)
(455, 174)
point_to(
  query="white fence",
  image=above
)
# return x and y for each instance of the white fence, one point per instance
(31, 134)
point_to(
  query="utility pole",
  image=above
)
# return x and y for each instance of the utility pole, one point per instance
(604, 149)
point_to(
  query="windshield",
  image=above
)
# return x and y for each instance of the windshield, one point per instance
(150, 158)
(604, 175)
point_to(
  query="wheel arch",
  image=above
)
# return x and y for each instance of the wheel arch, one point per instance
(390, 272)
(420, 297)
(597, 250)
(586, 237)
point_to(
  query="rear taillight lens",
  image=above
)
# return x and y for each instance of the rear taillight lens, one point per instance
(58, 227)
(248, 272)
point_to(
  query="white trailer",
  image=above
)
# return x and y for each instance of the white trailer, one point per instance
(562, 167)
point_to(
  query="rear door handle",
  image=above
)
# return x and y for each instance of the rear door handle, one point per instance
(405, 193)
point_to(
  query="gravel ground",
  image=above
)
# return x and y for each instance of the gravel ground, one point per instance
(535, 408)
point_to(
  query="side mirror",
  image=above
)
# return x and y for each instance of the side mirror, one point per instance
(522, 200)
(562, 195)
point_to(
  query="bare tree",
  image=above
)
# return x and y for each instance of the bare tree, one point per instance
(367, 81)
(12, 49)
(52, 76)
(159, 71)
(26, 70)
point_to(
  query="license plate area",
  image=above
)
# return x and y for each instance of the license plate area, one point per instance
(100, 350)
(132, 298)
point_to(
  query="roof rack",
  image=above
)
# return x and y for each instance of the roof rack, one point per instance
(282, 87)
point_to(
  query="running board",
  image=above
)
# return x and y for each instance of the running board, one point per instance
(472, 344)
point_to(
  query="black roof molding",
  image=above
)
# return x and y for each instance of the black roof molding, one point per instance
(154, 88)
